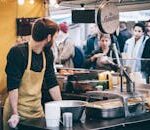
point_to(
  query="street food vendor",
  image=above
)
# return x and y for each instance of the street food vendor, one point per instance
(28, 64)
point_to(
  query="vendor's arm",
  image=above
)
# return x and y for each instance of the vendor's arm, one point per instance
(15, 67)
(55, 93)
(50, 78)
(14, 70)
(13, 98)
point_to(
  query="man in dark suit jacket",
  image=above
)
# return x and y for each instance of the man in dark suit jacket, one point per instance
(124, 34)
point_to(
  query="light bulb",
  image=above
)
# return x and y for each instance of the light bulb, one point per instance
(20, 2)
(56, 6)
(53, 3)
(31, 2)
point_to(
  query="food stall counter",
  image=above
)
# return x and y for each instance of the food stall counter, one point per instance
(141, 122)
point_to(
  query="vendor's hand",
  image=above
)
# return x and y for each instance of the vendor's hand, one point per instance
(13, 121)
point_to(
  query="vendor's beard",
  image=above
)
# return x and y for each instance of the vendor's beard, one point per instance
(51, 42)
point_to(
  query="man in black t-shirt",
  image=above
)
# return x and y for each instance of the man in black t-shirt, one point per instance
(28, 65)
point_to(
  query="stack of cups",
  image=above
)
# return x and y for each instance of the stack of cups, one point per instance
(52, 115)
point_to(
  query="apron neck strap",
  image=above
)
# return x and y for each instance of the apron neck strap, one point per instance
(44, 61)
(30, 58)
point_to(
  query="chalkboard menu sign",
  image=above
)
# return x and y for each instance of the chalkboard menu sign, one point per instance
(83, 16)
(24, 26)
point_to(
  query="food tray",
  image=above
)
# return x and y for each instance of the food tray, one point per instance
(110, 108)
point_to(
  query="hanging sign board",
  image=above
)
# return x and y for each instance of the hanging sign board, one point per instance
(108, 18)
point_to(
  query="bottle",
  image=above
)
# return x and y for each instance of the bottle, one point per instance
(107, 77)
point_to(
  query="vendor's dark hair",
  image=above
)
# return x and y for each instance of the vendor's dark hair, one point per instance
(140, 25)
(42, 27)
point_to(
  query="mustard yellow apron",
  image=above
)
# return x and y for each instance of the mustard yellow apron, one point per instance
(29, 94)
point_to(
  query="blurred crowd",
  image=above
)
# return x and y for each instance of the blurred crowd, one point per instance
(133, 45)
